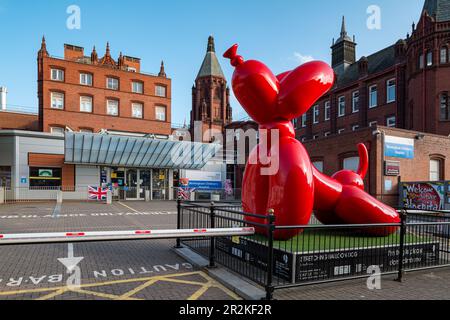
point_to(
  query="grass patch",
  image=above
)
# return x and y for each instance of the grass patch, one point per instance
(321, 240)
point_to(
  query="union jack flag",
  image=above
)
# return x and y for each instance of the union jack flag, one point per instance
(184, 193)
(97, 193)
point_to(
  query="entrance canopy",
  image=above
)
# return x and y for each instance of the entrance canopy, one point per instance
(136, 152)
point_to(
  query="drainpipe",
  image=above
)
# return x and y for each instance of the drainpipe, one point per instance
(383, 160)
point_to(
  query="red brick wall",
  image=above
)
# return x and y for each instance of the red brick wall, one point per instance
(98, 119)
(332, 151)
(361, 118)
(18, 121)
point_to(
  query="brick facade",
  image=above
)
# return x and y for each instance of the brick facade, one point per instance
(126, 70)
(332, 152)
(210, 96)
(418, 88)
(18, 121)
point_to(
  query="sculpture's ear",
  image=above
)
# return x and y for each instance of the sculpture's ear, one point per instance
(301, 88)
(283, 75)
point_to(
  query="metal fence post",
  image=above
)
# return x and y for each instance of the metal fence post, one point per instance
(178, 245)
(270, 259)
(401, 257)
(212, 248)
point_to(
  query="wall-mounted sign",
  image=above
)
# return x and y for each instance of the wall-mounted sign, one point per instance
(399, 147)
(46, 173)
(204, 180)
(392, 168)
(423, 195)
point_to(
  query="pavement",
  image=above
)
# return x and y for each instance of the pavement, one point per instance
(148, 269)
(424, 285)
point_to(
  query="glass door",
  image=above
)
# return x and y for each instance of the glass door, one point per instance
(160, 184)
(132, 185)
(145, 177)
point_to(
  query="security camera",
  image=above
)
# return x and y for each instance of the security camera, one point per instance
(376, 132)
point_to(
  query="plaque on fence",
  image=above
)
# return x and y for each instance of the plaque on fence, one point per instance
(255, 254)
(328, 264)
(349, 262)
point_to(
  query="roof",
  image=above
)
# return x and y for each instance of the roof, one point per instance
(377, 62)
(439, 9)
(211, 66)
(136, 152)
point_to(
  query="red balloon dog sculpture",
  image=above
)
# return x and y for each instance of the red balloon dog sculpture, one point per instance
(297, 187)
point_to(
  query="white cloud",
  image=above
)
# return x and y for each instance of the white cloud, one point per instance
(302, 58)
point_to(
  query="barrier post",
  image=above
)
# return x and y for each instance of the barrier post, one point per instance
(212, 248)
(109, 196)
(401, 257)
(2, 195)
(271, 230)
(59, 196)
(178, 245)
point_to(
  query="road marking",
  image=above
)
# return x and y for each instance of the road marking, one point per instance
(199, 293)
(57, 211)
(84, 215)
(123, 204)
(53, 294)
(58, 291)
(140, 288)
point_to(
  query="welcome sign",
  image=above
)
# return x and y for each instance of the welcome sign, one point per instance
(423, 195)
(397, 147)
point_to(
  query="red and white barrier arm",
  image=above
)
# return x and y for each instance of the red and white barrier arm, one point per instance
(61, 237)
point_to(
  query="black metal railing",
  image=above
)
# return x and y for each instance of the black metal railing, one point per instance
(316, 253)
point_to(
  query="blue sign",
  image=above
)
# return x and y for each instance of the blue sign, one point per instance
(399, 147)
(205, 185)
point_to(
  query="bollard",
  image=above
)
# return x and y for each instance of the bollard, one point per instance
(109, 197)
(2, 195)
(59, 196)
(147, 195)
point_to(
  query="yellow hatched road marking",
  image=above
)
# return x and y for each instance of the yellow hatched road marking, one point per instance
(123, 204)
(57, 291)
(200, 292)
(54, 294)
(131, 293)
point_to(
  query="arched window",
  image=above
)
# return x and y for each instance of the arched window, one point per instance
(318, 164)
(437, 168)
(351, 163)
(421, 61)
(429, 58)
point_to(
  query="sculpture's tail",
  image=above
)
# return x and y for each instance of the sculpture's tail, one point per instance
(363, 160)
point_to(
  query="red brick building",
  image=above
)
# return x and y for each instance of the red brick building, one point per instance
(93, 94)
(211, 95)
(403, 86)
(18, 121)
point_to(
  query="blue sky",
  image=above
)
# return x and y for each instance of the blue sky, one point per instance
(280, 33)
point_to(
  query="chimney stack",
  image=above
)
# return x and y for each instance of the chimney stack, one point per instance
(3, 92)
